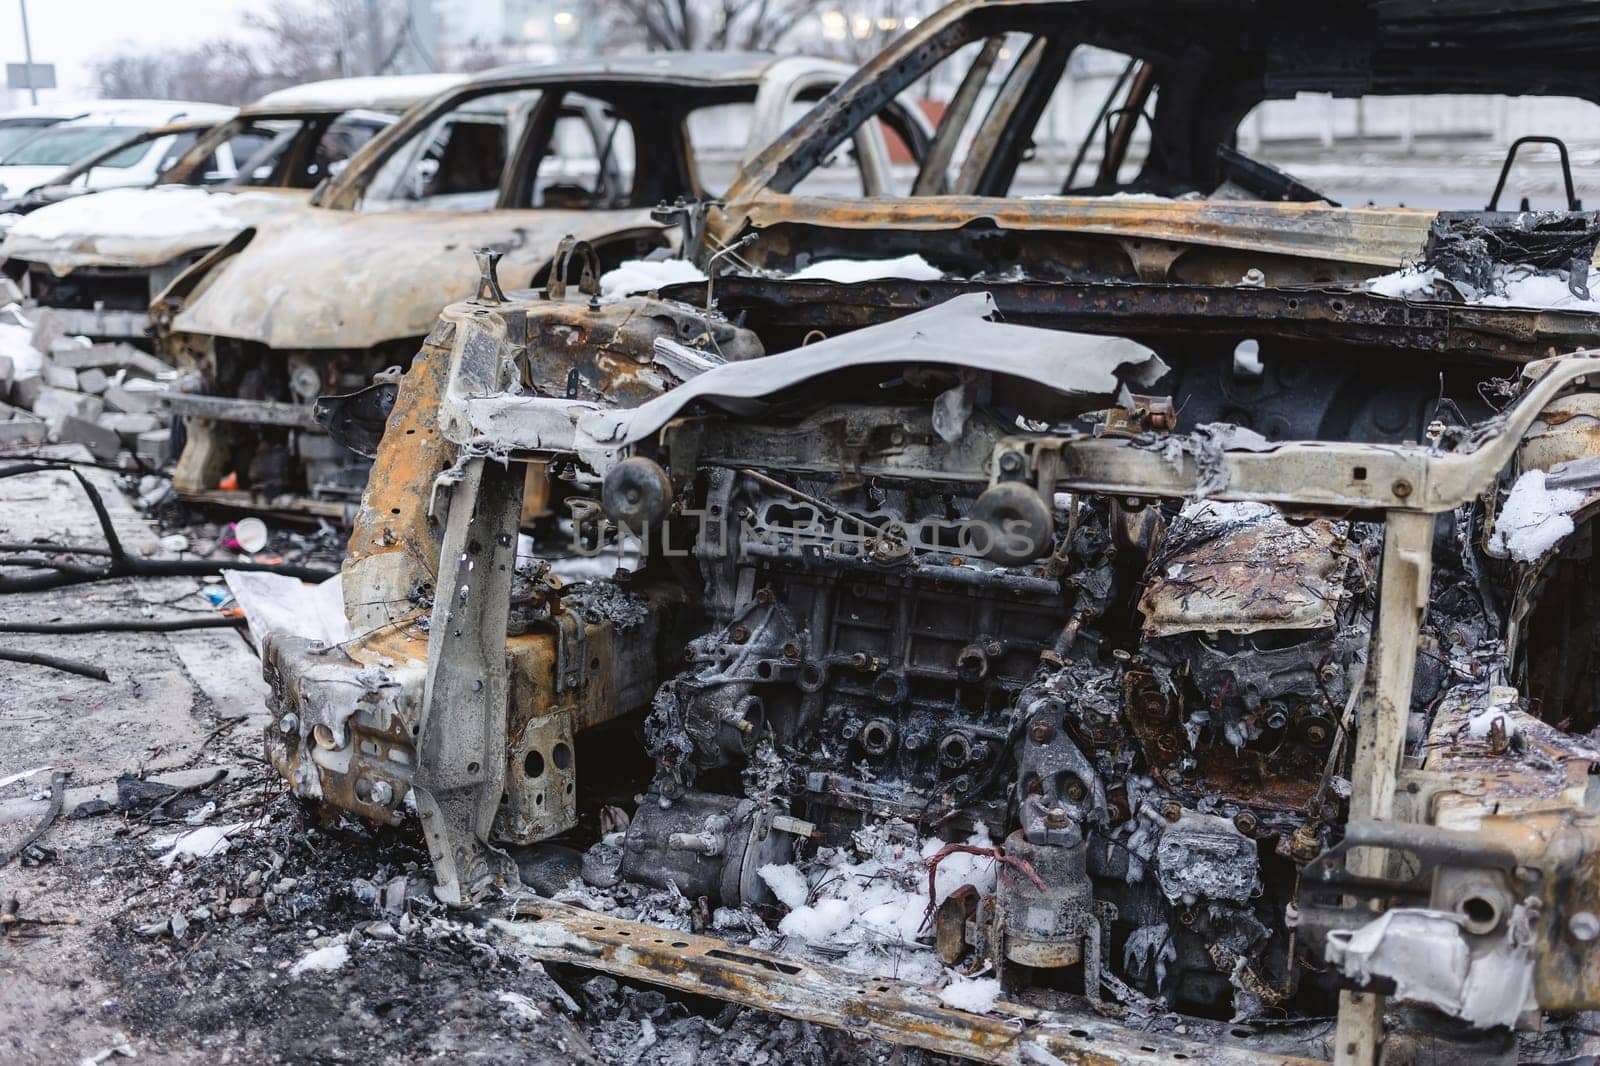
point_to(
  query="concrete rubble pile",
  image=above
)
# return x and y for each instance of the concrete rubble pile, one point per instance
(62, 389)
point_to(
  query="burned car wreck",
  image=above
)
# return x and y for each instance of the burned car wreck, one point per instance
(512, 159)
(1082, 655)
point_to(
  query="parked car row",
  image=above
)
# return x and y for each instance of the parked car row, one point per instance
(1198, 569)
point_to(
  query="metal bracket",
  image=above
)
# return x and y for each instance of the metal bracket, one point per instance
(489, 291)
(561, 265)
(461, 750)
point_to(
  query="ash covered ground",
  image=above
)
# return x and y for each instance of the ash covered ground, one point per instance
(267, 938)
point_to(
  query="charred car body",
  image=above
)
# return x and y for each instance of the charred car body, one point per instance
(513, 160)
(97, 262)
(1136, 542)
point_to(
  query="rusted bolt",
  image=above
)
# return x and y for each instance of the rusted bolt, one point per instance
(739, 634)
(1171, 811)
(1245, 822)
(1057, 818)
(860, 661)
(688, 654)
(993, 649)
(1050, 659)
(1173, 777)
(1076, 791)
(1187, 916)
(1317, 733)
(1304, 845)
(764, 596)
(791, 650)
(1401, 488)
(1041, 732)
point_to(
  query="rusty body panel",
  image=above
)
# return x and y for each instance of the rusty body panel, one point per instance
(1385, 238)
(882, 1007)
(343, 280)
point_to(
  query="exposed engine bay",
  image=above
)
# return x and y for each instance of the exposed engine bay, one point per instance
(1095, 696)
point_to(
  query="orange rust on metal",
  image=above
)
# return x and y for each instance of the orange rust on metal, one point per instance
(393, 533)
(597, 353)
(1377, 237)
(1246, 576)
(882, 1007)
(1221, 772)
(1531, 802)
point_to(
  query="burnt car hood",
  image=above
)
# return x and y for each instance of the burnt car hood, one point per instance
(141, 227)
(349, 280)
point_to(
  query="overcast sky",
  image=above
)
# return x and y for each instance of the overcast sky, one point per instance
(69, 33)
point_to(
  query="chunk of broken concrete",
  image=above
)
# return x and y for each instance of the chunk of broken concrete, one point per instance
(60, 377)
(101, 442)
(129, 425)
(153, 448)
(22, 432)
(57, 403)
(132, 401)
(25, 390)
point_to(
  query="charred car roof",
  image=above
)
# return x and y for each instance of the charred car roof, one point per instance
(1217, 60)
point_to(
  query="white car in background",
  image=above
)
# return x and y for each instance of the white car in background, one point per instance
(97, 261)
(41, 158)
(24, 122)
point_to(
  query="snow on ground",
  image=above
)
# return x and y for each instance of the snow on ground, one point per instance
(787, 883)
(975, 994)
(849, 271)
(200, 843)
(647, 275)
(322, 960)
(1534, 518)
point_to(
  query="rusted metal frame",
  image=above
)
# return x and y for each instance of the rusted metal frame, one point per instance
(1330, 475)
(933, 178)
(461, 761)
(818, 134)
(251, 412)
(886, 1008)
(1380, 737)
(1384, 238)
(1121, 135)
(1003, 110)
(1328, 315)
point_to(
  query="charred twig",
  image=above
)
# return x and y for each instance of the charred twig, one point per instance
(186, 790)
(58, 792)
(68, 666)
(125, 625)
(122, 564)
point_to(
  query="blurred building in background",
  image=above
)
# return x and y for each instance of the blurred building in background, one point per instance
(471, 34)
